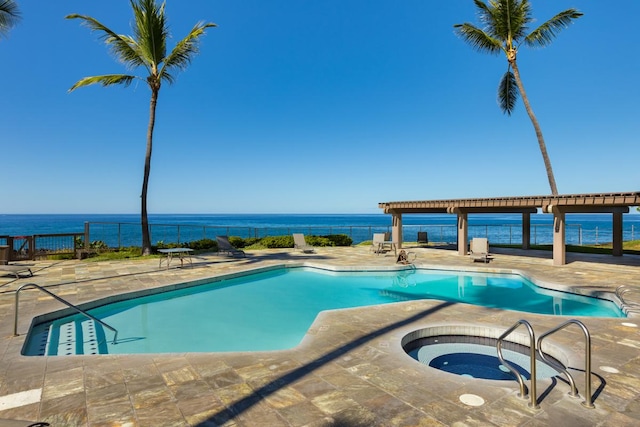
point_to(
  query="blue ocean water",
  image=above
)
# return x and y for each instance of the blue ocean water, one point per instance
(124, 229)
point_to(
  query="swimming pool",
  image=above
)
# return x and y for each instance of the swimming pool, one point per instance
(272, 310)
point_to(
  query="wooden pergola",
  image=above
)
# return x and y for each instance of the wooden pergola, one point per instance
(560, 205)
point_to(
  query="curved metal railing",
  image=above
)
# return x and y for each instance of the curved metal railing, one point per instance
(532, 346)
(67, 303)
(587, 368)
(627, 306)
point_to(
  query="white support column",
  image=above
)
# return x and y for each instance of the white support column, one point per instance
(463, 233)
(396, 231)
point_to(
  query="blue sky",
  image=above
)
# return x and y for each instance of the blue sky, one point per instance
(313, 107)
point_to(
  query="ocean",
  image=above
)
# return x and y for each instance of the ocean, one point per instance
(124, 229)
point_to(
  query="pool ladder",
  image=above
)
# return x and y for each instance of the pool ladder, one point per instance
(537, 346)
(62, 300)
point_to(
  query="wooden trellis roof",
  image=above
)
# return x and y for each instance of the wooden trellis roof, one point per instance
(597, 202)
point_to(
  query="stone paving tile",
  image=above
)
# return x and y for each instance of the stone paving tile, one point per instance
(349, 369)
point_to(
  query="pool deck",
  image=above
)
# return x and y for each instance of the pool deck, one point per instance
(350, 370)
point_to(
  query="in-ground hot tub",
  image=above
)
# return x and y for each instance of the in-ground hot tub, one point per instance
(473, 356)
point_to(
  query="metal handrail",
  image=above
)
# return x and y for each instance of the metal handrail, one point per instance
(67, 303)
(587, 362)
(627, 306)
(532, 345)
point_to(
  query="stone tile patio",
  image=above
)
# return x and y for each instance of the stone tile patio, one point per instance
(350, 370)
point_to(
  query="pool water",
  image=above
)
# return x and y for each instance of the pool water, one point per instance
(273, 310)
(468, 357)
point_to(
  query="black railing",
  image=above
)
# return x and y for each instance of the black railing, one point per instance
(19, 248)
(114, 235)
(128, 234)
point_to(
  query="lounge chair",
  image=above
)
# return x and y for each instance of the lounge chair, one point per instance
(16, 270)
(479, 249)
(378, 243)
(225, 247)
(423, 238)
(300, 243)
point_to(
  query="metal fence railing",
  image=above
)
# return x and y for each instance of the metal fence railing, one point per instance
(112, 235)
(17, 248)
(128, 234)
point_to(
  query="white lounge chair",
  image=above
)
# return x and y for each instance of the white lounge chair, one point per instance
(479, 249)
(377, 244)
(300, 244)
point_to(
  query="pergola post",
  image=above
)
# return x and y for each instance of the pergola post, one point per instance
(616, 249)
(559, 237)
(396, 231)
(463, 232)
(526, 230)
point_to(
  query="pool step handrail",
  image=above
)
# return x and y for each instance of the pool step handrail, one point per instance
(533, 403)
(627, 306)
(62, 300)
(588, 402)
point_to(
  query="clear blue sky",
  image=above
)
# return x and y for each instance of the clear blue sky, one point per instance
(314, 107)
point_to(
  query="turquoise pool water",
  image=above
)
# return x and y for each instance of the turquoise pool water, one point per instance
(273, 310)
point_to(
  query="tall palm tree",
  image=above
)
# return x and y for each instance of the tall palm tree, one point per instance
(505, 26)
(146, 48)
(9, 16)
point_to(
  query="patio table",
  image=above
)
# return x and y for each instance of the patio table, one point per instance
(179, 252)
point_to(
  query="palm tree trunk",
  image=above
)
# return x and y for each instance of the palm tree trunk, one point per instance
(146, 236)
(536, 126)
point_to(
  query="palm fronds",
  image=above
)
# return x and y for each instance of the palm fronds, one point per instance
(545, 33)
(184, 51)
(123, 47)
(106, 80)
(507, 92)
(477, 38)
(151, 31)
(9, 15)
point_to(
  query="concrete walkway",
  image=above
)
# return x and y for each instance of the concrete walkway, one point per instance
(350, 369)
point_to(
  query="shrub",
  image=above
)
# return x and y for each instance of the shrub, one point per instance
(99, 245)
(236, 242)
(340, 239)
(251, 241)
(318, 241)
(272, 242)
(203, 244)
(196, 245)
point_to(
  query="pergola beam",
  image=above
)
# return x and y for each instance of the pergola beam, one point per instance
(614, 203)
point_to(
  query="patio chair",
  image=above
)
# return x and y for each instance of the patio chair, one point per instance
(479, 249)
(423, 238)
(300, 244)
(377, 244)
(225, 247)
(15, 270)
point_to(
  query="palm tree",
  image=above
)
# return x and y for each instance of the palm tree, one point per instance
(505, 27)
(9, 16)
(146, 48)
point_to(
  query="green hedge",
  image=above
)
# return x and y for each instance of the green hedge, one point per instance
(270, 242)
